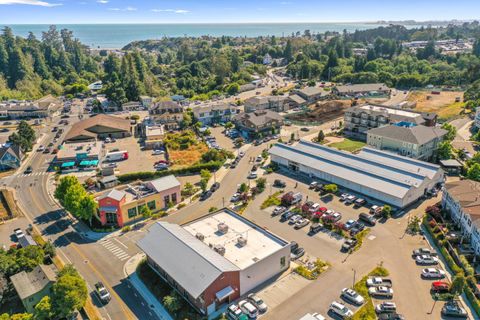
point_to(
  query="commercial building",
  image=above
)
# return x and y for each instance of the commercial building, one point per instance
(407, 139)
(387, 177)
(462, 200)
(312, 94)
(123, 205)
(451, 167)
(367, 89)
(275, 103)
(42, 108)
(214, 112)
(76, 155)
(99, 127)
(32, 286)
(10, 157)
(218, 258)
(258, 123)
(154, 136)
(359, 119)
(166, 113)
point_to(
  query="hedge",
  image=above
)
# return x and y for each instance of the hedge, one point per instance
(128, 177)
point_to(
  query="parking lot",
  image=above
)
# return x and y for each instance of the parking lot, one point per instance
(7, 236)
(386, 244)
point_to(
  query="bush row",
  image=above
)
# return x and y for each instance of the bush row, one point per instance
(128, 177)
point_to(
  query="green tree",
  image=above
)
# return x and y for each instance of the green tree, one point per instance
(321, 136)
(63, 185)
(69, 294)
(445, 150)
(261, 184)
(172, 302)
(330, 188)
(458, 284)
(73, 199)
(205, 174)
(228, 125)
(88, 207)
(243, 187)
(386, 211)
(451, 131)
(146, 212)
(473, 172)
(49, 249)
(43, 309)
(203, 184)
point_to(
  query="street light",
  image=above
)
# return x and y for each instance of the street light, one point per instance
(354, 275)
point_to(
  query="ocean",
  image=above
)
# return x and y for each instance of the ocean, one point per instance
(115, 36)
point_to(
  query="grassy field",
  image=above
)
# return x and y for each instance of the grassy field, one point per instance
(443, 104)
(187, 157)
(348, 145)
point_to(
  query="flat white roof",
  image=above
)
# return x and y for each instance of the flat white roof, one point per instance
(260, 243)
(398, 112)
(70, 150)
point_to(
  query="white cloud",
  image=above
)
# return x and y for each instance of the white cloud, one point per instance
(177, 11)
(123, 9)
(102, 1)
(31, 3)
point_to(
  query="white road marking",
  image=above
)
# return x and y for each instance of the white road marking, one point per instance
(121, 243)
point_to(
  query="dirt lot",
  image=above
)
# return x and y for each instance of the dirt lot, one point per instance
(322, 112)
(187, 157)
(443, 104)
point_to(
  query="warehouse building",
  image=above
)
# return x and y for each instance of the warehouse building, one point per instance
(218, 257)
(387, 177)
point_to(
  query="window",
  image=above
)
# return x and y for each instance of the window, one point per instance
(174, 197)
(151, 205)
(166, 200)
(132, 212)
(282, 262)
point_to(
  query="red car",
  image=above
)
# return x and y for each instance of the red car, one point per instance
(162, 161)
(440, 286)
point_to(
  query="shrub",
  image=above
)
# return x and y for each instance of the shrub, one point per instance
(272, 200)
(126, 229)
(181, 205)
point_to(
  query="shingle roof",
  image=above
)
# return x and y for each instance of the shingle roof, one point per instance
(313, 91)
(297, 99)
(189, 261)
(84, 127)
(258, 118)
(417, 134)
(164, 183)
(28, 283)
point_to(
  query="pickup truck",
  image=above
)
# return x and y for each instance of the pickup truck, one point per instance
(379, 282)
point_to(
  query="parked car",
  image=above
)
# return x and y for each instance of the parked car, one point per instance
(340, 310)
(349, 244)
(258, 303)
(286, 215)
(352, 296)
(28, 170)
(235, 197)
(376, 209)
(368, 218)
(18, 232)
(301, 223)
(381, 292)
(314, 228)
(248, 308)
(278, 210)
(313, 185)
(215, 187)
(336, 216)
(279, 183)
(297, 253)
(235, 313)
(440, 287)
(205, 195)
(293, 246)
(252, 175)
(454, 309)
(359, 202)
(350, 199)
(294, 219)
(349, 224)
(379, 282)
(305, 129)
(423, 251)
(40, 148)
(158, 152)
(357, 227)
(312, 316)
(241, 154)
(291, 198)
(433, 273)
(344, 196)
(426, 260)
(390, 316)
(386, 307)
(102, 292)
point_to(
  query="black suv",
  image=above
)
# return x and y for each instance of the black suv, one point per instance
(279, 183)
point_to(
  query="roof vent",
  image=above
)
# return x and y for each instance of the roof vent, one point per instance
(222, 228)
(219, 249)
(200, 236)
(242, 242)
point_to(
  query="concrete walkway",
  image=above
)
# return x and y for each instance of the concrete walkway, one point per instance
(131, 274)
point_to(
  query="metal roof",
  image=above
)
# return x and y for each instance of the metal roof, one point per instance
(388, 173)
(189, 261)
(416, 134)
(164, 183)
(114, 194)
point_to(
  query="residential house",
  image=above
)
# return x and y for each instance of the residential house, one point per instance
(154, 136)
(166, 113)
(407, 139)
(452, 167)
(258, 123)
(214, 112)
(132, 106)
(123, 205)
(10, 157)
(312, 94)
(295, 101)
(275, 103)
(367, 89)
(217, 258)
(32, 286)
(146, 102)
(267, 59)
(462, 200)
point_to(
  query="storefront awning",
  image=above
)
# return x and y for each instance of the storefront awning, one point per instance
(224, 293)
(68, 164)
(89, 162)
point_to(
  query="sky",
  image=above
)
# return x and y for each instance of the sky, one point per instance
(231, 11)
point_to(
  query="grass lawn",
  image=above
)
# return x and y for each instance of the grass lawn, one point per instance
(348, 145)
(187, 157)
(368, 309)
(272, 200)
(451, 111)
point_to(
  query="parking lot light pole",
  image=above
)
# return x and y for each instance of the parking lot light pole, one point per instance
(354, 275)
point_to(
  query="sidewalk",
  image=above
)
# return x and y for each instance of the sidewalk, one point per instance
(130, 273)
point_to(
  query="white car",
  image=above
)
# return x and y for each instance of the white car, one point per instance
(252, 175)
(18, 233)
(340, 310)
(433, 273)
(386, 307)
(40, 148)
(352, 296)
(241, 154)
(294, 219)
(384, 292)
(235, 197)
(258, 303)
(426, 260)
(248, 308)
(312, 316)
(158, 152)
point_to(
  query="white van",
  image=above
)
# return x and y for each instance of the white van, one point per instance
(248, 308)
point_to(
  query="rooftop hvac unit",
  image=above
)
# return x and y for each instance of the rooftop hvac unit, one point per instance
(200, 236)
(222, 227)
(219, 249)
(242, 242)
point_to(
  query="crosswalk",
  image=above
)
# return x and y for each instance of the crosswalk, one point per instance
(33, 174)
(114, 249)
